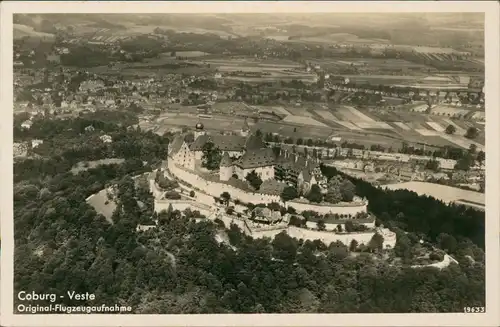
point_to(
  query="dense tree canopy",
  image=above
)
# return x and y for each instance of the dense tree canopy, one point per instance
(180, 267)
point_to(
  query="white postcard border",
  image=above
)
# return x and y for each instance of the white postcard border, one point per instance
(492, 87)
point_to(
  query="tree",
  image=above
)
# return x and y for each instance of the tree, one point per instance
(376, 243)
(447, 242)
(432, 165)
(254, 180)
(464, 163)
(347, 189)
(450, 129)
(225, 196)
(321, 224)
(472, 149)
(349, 226)
(212, 156)
(289, 193)
(353, 246)
(315, 194)
(471, 133)
(481, 156)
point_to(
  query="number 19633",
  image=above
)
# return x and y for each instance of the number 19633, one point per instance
(474, 310)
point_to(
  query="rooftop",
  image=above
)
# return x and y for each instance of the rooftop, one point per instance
(257, 158)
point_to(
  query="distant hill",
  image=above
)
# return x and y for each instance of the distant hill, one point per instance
(21, 31)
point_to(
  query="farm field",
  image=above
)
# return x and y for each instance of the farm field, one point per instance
(374, 125)
(479, 115)
(294, 131)
(402, 126)
(339, 37)
(280, 110)
(191, 54)
(305, 120)
(273, 77)
(220, 123)
(327, 115)
(359, 115)
(93, 164)
(442, 192)
(461, 141)
(145, 29)
(459, 130)
(435, 126)
(449, 111)
(21, 31)
(349, 125)
(299, 111)
(230, 107)
(427, 132)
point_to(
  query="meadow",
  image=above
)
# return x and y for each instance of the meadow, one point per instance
(444, 193)
(84, 165)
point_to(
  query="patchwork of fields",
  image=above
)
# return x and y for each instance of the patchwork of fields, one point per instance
(269, 69)
(411, 126)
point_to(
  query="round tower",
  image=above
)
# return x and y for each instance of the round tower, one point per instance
(226, 168)
(199, 130)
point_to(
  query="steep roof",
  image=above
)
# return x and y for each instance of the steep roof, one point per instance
(225, 161)
(176, 144)
(223, 142)
(198, 144)
(257, 158)
(229, 142)
(254, 142)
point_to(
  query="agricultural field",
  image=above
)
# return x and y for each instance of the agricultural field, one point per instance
(21, 31)
(339, 38)
(191, 54)
(427, 132)
(278, 110)
(374, 125)
(449, 111)
(299, 111)
(218, 123)
(461, 141)
(269, 69)
(402, 126)
(304, 120)
(351, 114)
(435, 126)
(294, 131)
(327, 115)
(441, 192)
(479, 115)
(459, 130)
(230, 108)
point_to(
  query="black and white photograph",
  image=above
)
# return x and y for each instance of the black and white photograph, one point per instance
(243, 163)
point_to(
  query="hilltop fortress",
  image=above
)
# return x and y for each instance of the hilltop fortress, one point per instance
(245, 154)
(242, 157)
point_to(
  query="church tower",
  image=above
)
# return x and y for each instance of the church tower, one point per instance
(226, 168)
(245, 130)
(199, 130)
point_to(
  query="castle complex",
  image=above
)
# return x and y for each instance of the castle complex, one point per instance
(243, 154)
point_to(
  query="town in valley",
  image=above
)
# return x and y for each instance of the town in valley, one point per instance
(251, 163)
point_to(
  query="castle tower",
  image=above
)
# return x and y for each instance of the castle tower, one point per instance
(199, 130)
(226, 168)
(245, 130)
